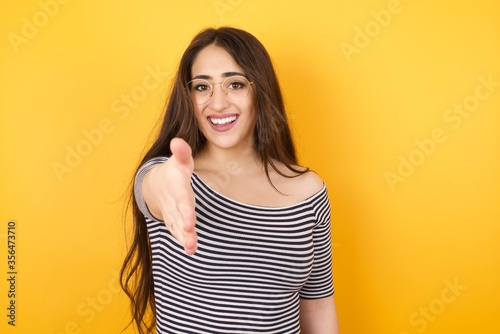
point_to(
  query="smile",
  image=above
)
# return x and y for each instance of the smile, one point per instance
(222, 121)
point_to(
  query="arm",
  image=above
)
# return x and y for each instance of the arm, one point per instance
(318, 313)
(318, 316)
(167, 193)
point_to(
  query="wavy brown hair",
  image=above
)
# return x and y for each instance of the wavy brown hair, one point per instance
(272, 140)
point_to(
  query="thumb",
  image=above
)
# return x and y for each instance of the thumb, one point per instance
(181, 150)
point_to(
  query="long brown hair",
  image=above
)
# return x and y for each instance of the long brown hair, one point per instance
(272, 139)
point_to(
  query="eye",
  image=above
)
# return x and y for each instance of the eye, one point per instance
(201, 87)
(236, 85)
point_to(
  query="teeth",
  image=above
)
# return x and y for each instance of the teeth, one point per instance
(222, 121)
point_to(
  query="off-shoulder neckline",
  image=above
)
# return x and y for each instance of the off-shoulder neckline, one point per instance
(255, 206)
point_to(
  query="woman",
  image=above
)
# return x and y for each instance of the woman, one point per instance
(230, 234)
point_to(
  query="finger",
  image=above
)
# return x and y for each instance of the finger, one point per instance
(188, 214)
(191, 243)
(186, 235)
(188, 239)
(181, 221)
(174, 225)
(181, 151)
(189, 219)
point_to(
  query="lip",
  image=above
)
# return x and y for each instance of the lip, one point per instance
(222, 127)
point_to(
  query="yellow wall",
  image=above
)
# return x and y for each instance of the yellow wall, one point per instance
(395, 103)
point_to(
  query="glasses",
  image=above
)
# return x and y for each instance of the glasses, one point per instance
(235, 87)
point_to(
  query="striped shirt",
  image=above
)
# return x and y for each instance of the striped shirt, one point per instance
(252, 266)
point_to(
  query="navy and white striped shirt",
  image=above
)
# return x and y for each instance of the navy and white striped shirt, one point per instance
(252, 266)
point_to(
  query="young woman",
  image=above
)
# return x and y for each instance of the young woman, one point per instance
(231, 234)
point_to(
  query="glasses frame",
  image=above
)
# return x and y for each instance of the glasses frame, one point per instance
(220, 83)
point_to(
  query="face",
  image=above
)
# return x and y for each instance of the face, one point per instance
(226, 121)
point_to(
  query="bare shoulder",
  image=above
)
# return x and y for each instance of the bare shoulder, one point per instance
(309, 183)
(300, 186)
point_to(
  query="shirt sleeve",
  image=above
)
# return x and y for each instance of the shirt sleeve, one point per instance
(320, 282)
(139, 178)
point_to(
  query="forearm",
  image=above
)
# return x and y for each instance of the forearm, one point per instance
(318, 316)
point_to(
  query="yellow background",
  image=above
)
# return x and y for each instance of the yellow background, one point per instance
(362, 89)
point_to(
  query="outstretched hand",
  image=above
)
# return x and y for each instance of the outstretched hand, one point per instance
(170, 197)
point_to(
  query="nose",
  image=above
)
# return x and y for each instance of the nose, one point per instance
(218, 99)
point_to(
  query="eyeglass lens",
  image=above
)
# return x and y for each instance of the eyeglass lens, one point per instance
(236, 88)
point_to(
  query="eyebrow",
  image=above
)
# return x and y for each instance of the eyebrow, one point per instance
(224, 75)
